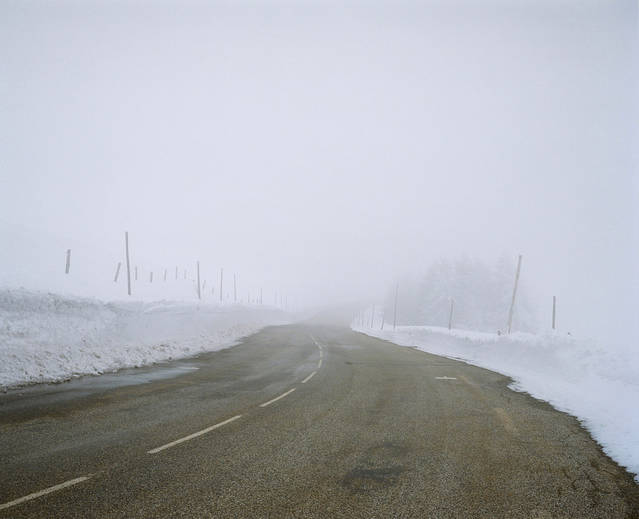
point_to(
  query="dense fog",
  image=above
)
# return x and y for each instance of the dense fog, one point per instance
(322, 152)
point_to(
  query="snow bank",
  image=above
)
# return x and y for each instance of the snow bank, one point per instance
(45, 337)
(577, 376)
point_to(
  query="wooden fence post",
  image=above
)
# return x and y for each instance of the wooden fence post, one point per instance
(68, 264)
(450, 316)
(512, 303)
(128, 263)
(199, 293)
(395, 310)
(221, 284)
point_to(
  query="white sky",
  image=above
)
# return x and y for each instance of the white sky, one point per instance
(322, 149)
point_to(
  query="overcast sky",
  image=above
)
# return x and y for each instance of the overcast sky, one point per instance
(323, 149)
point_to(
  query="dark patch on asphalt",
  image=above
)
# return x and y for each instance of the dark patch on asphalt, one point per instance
(361, 480)
(380, 468)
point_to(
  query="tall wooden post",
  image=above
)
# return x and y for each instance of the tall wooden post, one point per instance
(199, 293)
(383, 318)
(554, 310)
(136, 272)
(151, 277)
(68, 264)
(128, 263)
(450, 316)
(234, 289)
(117, 272)
(222, 284)
(512, 303)
(395, 311)
(372, 315)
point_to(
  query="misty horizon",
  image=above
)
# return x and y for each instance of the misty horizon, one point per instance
(324, 152)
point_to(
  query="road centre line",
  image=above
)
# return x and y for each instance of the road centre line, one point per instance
(309, 377)
(319, 364)
(44, 492)
(194, 435)
(446, 378)
(277, 398)
(316, 343)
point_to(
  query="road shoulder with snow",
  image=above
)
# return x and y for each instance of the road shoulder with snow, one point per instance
(576, 376)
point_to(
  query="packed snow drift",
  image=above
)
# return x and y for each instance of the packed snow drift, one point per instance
(46, 337)
(577, 376)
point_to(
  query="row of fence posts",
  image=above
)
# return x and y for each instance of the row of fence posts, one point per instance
(360, 318)
(201, 285)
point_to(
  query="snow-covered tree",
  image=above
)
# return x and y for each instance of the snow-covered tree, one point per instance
(482, 295)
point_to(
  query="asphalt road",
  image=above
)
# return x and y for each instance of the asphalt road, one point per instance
(378, 431)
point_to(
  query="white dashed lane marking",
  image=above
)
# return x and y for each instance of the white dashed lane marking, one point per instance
(194, 435)
(277, 398)
(309, 377)
(44, 492)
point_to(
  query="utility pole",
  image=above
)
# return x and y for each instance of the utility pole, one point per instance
(128, 264)
(512, 303)
(554, 310)
(450, 316)
(68, 265)
(395, 310)
(221, 284)
(199, 292)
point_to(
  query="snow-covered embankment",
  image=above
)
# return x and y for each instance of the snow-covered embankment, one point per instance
(46, 337)
(599, 387)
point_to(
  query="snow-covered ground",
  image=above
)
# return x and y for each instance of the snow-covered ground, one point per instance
(46, 337)
(599, 387)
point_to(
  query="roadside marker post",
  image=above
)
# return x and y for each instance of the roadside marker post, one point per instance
(395, 310)
(512, 303)
(128, 263)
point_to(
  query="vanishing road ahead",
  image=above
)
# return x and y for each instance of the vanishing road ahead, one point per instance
(305, 420)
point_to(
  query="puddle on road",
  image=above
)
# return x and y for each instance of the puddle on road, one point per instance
(90, 384)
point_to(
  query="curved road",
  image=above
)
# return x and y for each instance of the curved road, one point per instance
(378, 431)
